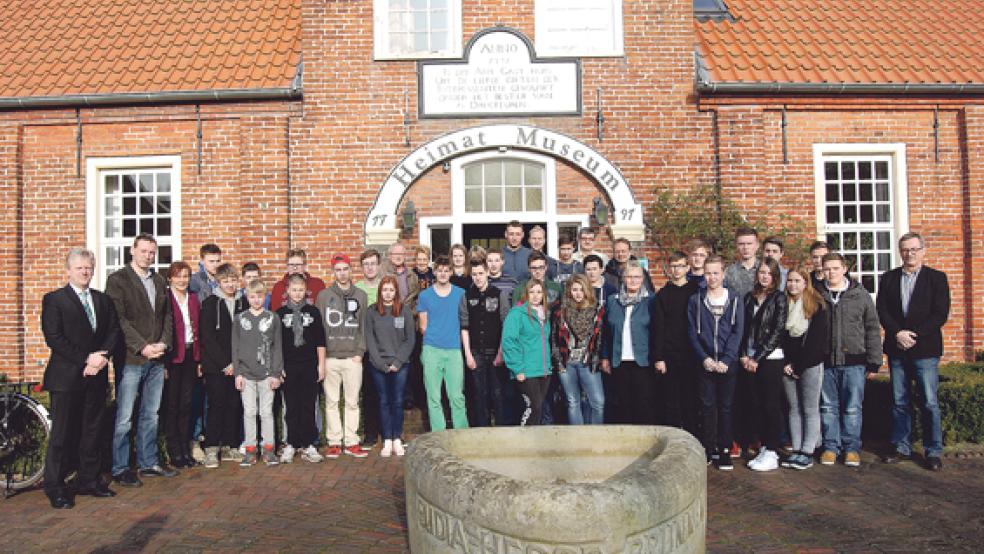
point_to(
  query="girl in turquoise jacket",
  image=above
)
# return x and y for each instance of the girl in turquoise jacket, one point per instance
(526, 349)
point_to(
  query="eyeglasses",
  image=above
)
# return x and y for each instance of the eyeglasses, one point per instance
(911, 250)
(537, 267)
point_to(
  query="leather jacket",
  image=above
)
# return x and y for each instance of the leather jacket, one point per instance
(765, 328)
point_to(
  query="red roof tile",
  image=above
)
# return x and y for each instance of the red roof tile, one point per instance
(67, 47)
(845, 41)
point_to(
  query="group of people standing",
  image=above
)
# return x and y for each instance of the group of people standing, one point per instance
(748, 354)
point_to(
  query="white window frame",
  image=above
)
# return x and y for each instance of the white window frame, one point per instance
(459, 217)
(95, 204)
(381, 37)
(896, 152)
(544, 14)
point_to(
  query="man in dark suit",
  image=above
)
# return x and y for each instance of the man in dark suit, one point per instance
(913, 306)
(81, 329)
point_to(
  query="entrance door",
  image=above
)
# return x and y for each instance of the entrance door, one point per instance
(492, 235)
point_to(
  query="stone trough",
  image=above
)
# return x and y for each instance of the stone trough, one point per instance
(556, 490)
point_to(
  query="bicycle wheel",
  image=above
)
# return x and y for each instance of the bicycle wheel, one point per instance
(24, 428)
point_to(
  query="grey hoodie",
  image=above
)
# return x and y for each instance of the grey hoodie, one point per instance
(256, 349)
(345, 319)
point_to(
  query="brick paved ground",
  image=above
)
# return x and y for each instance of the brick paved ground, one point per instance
(353, 505)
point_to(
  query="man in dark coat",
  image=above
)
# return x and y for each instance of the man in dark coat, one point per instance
(81, 328)
(913, 306)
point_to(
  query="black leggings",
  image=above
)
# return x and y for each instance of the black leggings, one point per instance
(223, 425)
(300, 394)
(533, 390)
(180, 382)
(769, 388)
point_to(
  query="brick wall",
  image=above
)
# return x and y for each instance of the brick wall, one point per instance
(339, 144)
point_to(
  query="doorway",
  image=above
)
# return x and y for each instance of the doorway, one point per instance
(492, 235)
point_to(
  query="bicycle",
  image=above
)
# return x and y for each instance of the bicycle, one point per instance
(24, 429)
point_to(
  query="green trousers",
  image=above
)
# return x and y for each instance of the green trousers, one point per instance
(444, 365)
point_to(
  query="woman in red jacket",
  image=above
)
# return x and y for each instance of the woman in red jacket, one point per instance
(182, 365)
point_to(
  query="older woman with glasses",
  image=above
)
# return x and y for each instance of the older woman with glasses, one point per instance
(633, 327)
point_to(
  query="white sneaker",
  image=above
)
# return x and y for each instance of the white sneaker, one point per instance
(287, 455)
(387, 450)
(311, 454)
(757, 460)
(769, 462)
(398, 447)
(197, 453)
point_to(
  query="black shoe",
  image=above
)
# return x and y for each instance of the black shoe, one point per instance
(723, 461)
(158, 471)
(61, 502)
(127, 479)
(934, 463)
(896, 457)
(98, 490)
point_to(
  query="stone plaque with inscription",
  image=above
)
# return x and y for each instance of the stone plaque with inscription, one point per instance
(499, 76)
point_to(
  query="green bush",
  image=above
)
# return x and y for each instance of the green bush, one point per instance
(703, 212)
(961, 400)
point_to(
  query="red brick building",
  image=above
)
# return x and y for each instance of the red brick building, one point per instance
(266, 124)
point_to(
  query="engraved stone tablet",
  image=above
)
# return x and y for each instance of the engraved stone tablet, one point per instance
(499, 76)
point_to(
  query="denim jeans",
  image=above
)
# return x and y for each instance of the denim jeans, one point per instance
(925, 373)
(577, 378)
(841, 396)
(485, 390)
(391, 387)
(147, 381)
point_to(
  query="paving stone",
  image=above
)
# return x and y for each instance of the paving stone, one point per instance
(350, 505)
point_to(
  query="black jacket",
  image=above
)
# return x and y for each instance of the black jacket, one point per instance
(215, 330)
(813, 347)
(71, 339)
(765, 327)
(929, 308)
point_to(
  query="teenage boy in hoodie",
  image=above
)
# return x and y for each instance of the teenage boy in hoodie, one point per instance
(678, 371)
(304, 367)
(855, 350)
(296, 265)
(204, 282)
(715, 318)
(222, 422)
(258, 364)
(343, 306)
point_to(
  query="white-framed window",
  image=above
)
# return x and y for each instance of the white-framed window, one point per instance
(862, 204)
(497, 187)
(579, 28)
(414, 29)
(128, 196)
